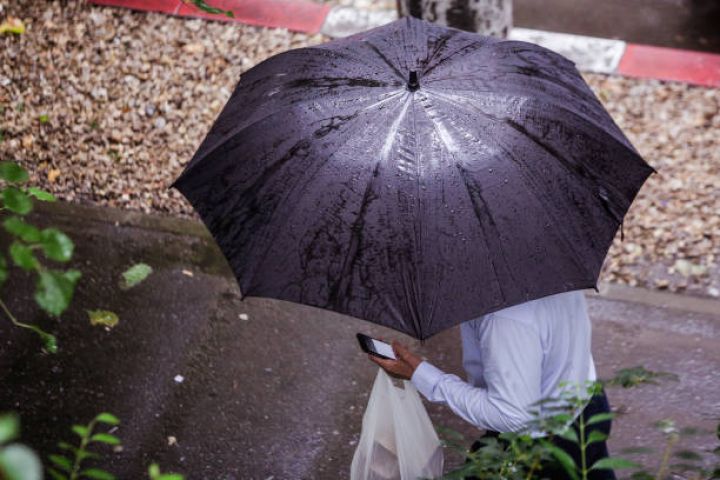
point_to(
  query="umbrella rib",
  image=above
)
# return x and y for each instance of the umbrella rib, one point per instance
(475, 45)
(478, 210)
(439, 45)
(386, 60)
(528, 178)
(356, 133)
(237, 130)
(585, 172)
(360, 59)
(579, 115)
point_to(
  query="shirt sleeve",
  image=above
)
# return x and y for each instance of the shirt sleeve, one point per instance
(512, 358)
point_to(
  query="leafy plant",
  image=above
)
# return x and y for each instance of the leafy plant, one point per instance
(631, 377)
(516, 456)
(71, 467)
(54, 287)
(17, 462)
(511, 456)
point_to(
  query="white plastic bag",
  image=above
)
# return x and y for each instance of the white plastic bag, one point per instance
(398, 441)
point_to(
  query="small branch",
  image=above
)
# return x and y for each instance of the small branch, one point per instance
(12, 317)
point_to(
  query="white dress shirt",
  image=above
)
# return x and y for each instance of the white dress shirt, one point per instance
(514, 358)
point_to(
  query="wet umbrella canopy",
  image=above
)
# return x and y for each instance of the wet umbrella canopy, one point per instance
(414, 176)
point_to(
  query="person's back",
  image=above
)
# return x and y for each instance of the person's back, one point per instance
(560, 325)
(514, 358)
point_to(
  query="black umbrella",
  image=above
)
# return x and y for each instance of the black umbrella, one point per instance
(414, 176)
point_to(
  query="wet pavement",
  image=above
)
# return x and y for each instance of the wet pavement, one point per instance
(278, 392)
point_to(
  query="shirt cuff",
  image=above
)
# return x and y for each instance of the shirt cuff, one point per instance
(425, 378)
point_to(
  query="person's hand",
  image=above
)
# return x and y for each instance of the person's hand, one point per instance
(403, 367)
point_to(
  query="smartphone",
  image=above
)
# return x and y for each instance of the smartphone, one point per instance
(376, 347)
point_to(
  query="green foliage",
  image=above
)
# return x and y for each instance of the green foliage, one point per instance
(155, 474)
(134, 275)
(518, 456)
(11, 172)
(18, 227)
(16, 200)
(9, 427)
(103, 317)
(201, 5)
(41, 195)
(632, 377)
(56, 245)
(54, 288)
(69, 466)
(17, 462)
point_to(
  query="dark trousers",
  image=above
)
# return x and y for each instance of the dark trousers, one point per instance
(593, 452)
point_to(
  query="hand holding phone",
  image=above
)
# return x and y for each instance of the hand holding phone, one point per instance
(376, 347)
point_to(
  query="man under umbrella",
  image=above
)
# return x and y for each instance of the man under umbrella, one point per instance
(419, 177)
(514, 358)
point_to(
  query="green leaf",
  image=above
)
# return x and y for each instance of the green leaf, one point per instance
(612, 463)
(22, 256)
(97, 474)
(54, 290)
(569, 434)
(56, 245)
(12, 172)
(18, 462)
(44, 118)
(153, 470)
(66, 446)
(563, 458)
(600, 417)
(105, 438)
(9, 427)
(41, 195)
(3, 269)
(200, 4)
(596, 436)
(171, 476)
(55, 474)
(18, 227)
(107, 418)
(63, 463)
(135, 274)
(49, 341)
(16, 200)
(103, 317)
(80, 430)
(84, 455)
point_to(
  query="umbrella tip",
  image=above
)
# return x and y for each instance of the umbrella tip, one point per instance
(413, 84)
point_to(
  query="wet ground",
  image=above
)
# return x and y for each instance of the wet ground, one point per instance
(278, 394)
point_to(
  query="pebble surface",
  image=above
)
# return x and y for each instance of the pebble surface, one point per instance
(106, 105)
